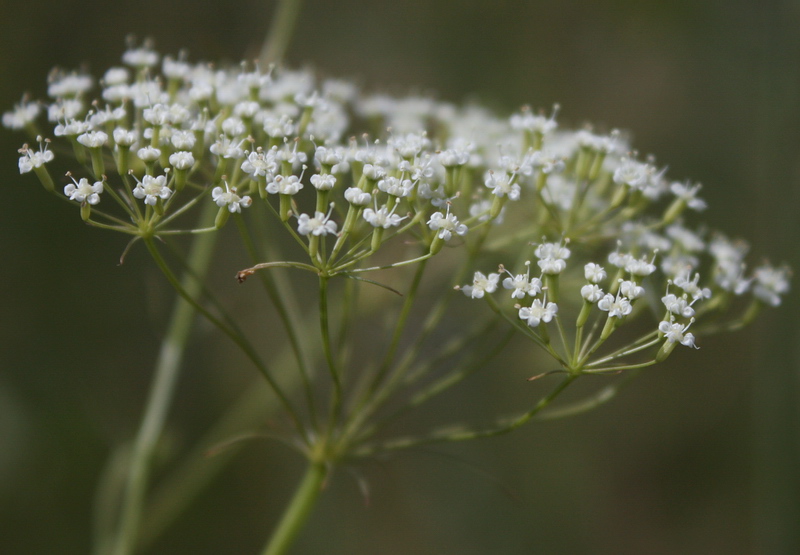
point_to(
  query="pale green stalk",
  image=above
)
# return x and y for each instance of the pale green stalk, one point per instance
(298, 511)
(162, 391)
(280, 32)
(238, 339)
(275, 297)
(463, 435)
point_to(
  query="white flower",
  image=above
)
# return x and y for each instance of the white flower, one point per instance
(594, 272)
(382, 217)
(23, 114)
(679, 306)
(327, 156)
(284, 185)
(116, 76)
(531, 122)
(81, 191)
(148, 154)
(93, 139)
(320, 224)
(523, 284)
(228, 197)
(481, 285)
(688, 194)
(538, 312)
(454, 157)
(502, 186)
(225, 147)
(634, 174)
(140, 57)
(175, 69)
(690, 286)
(396, 187)
(688, 239)
(640, 267)
(373, 172)
(323, 182)
(547, 162)
(183, 139)
(260, 164)
(71, 128)
(771, 283)
(152, 188)
(32, 159)
(591, 292)
(552, 257)
(552, 266)
(631, 290)
(124, 137)
(446, 225)
(676, 333)
(157, 114)
(552, 250)
(181, 160)
(617, 307)
(357, 197)
(233, 126)
(70, 85)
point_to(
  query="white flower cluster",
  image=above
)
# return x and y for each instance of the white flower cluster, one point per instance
(172, 135)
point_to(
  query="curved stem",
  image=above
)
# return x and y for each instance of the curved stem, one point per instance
(298, 510)
(463, 435)
(162, 391)
(238, 339)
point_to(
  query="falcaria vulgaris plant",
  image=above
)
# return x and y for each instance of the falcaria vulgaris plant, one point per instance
(567, 238)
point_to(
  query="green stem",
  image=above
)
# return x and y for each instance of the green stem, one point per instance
(298, 510)
(336, 404)
(463, 435)
(162, 391)
(242, 342)
(280, 32)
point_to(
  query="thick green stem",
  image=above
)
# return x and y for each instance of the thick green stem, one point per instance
(298, 511)
(162, 391)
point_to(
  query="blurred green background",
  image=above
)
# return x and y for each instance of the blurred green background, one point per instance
(700, 455)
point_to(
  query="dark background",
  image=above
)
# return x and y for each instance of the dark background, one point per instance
(699, 456)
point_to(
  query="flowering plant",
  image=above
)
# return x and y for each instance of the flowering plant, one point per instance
(570, 238)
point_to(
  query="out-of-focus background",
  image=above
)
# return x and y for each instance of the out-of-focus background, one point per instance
(698, 456)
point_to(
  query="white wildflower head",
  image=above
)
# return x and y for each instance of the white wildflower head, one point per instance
(675, 332)
(82, 191)
(283, 185)
(522, 284)
(552, 257)
(323, 182)
(148, 154)
(181, 160)
(481, 284)
(382, 217)
(539, 311)
(446, 224)
(616, 306)
(592, 293)
(357, 197)
(22, 115)
(771, 283)
(502, 185)
(320, 225)
(33, 159)
(227, 197)
(594, 273)
(152, 188)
